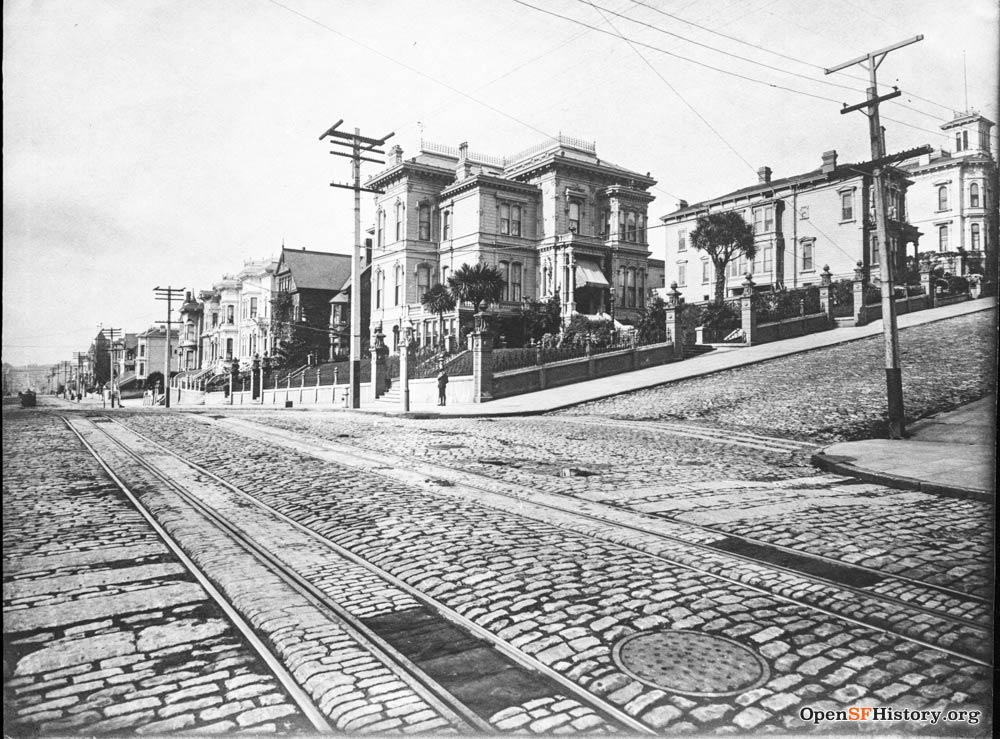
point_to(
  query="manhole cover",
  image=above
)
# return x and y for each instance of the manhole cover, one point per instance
(691, 663)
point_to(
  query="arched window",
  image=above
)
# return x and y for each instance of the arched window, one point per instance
(398, 289)
(640, 220)
(515, 281)
(974, 195)
(425, 223)
(943, 237)
(974, 241)
(444, 275)
(630, 228)
(943, 197)
(379, 287)
(630, 286)
(399, 221)
(380, 221)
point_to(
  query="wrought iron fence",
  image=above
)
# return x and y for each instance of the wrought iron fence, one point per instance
(780, 305)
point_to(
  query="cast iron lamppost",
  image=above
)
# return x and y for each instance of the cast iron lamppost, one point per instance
(404, 364)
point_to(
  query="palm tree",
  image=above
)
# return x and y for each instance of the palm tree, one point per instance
(476, 283)
(724, 237)
(438, 300)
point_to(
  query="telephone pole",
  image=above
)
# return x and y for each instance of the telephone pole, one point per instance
(893, 372)
(167, 293)
(358, 144)
(78, 356)
(112, 356)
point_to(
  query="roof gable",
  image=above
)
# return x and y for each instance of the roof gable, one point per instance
(315, 270)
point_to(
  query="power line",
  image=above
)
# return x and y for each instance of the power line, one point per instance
(674, 90)
(678, 56)
(718, 50)
(411, 68)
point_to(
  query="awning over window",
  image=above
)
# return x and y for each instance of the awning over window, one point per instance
(589, 273)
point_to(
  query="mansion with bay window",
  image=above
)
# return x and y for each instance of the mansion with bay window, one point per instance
(556, 220)
(937, 202)
(801, 223)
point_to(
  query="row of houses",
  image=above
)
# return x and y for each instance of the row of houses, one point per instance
(942, 202)
(562, 223)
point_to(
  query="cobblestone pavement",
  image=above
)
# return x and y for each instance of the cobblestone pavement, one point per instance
(831, 394)
(104, 631)
(567, 599)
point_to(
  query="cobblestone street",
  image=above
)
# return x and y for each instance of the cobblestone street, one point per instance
(619, 567)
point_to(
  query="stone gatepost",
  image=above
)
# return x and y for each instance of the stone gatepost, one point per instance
(379, 353)
(541, 368)
(674, 332)
(860, 319)
(927, 283)
(826, 293)
(482, 358)
(747, 313)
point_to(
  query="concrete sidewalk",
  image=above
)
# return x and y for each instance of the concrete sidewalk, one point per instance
(949, 454)
(719, 360)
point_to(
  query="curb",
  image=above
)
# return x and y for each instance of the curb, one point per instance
(898, 482)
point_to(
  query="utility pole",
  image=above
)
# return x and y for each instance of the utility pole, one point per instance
(78, 356)
(893, 373)
(112, 356)
(167, 293)
(358, 144)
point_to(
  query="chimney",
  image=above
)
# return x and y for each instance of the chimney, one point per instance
(681, 204)
(397, 154)
(829, 161)
(764, 174)
(464, 166)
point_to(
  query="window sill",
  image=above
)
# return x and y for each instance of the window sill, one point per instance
(848, 220)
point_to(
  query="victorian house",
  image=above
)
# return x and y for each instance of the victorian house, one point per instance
(801, 223)
(953, 196)
(555, 219)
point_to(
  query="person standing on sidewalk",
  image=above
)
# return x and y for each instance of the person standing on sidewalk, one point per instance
(442, 379)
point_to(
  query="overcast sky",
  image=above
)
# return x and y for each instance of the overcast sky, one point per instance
(165, 143)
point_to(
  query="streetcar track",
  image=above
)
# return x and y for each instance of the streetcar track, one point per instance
(284, 678)
(442, 696)
(376, 462)
(749, 540)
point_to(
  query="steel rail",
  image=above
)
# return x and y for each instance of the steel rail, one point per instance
(379, 462)
(297, 694)
(609, 711)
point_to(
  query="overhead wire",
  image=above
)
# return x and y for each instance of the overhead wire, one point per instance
(678, 56)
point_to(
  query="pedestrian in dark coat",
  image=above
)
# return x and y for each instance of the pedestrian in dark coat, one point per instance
(442, 386)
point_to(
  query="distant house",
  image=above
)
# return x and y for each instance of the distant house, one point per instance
(801, 223)
(151, 354)
(306, 281)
